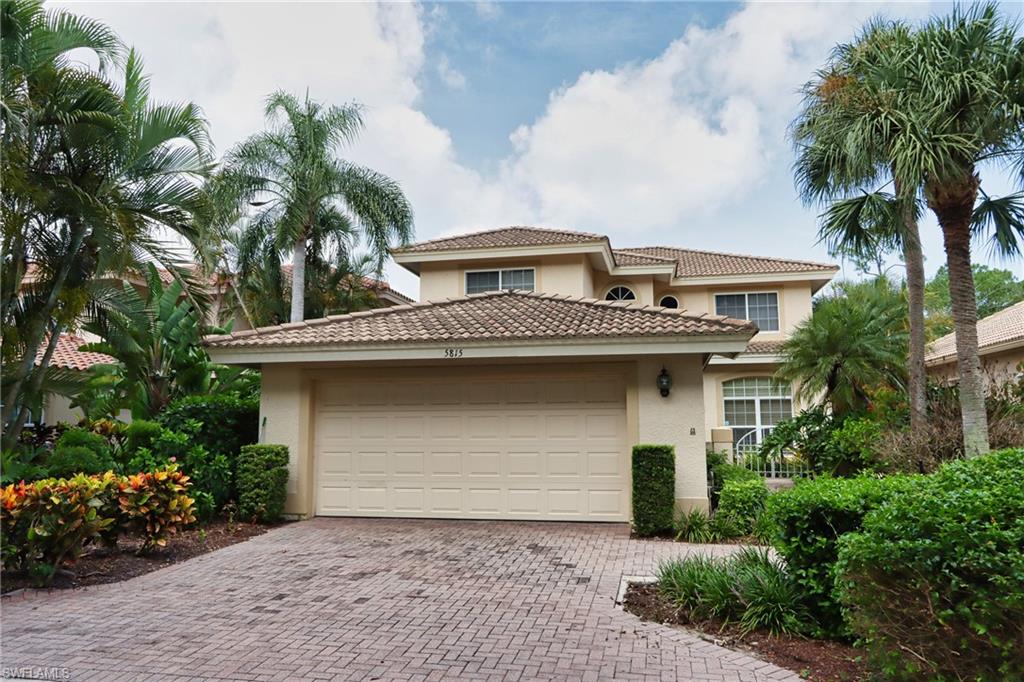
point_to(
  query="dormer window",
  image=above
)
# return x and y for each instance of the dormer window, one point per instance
(669, 302)
(620, 293)
(480, 281)
(760, 308)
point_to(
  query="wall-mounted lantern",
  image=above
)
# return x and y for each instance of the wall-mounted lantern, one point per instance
(664, 382)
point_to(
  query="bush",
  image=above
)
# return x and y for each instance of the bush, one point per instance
(262, 481)
(743, 502)
(65, 462)
(748, 587)
(807, 522)
(49, 522)
(225, 422)
(654, 488)
(693, 526)
(156, 504)
(721, 470)
(934, 581)
(141, 434)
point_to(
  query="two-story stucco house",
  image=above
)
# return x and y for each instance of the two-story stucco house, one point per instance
(516, 388)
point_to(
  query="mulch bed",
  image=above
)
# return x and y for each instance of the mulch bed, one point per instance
(812, 659)
(102, 565)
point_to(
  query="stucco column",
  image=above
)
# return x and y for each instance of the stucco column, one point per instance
(285, 413)
(676, 420)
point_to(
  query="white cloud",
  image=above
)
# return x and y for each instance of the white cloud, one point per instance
(450, 76)
(488, 10)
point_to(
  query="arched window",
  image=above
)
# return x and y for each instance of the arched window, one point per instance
(669, 302)
(620, 293)
(752, 406)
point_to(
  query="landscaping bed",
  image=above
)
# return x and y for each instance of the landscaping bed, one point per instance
(103, 565)
(818, 660)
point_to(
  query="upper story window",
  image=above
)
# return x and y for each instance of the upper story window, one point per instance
(620, 293)
(497, 280)
(669, 302)
(762, 308)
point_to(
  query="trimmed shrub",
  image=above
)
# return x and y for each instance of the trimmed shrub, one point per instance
(654, 488)
(224, 423)
(78, 451)
(141, 434)
(809, 519)
(49, 522)
(156, 504)
(262, 481)
(934, 581)
(743, 502)
(721, 470)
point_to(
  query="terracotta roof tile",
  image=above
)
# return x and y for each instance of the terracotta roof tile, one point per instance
(764, 347)
(997, 329)
(692, 263)
(66, 355)
(494, 316)
(503, 237)
(628, 258)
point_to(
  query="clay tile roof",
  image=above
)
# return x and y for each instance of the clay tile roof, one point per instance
(764, 347)
(493, 316)
(503, 237)
(66, 355)
(627, 258)
(691, 263)
(998, 329)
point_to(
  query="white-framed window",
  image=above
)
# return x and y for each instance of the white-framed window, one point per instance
(761, 308)
(620, 293)
(669, 302)
(752, 406)
(479, 281)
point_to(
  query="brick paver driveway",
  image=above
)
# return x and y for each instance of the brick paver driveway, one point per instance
(376, 599)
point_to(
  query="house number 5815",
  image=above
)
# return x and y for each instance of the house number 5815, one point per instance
(453, 352)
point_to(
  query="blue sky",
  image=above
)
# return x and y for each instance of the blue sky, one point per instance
(654, 123)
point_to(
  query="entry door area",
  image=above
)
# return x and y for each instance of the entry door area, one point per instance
(477, 448)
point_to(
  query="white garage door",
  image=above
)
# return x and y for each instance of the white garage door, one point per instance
(552, 448)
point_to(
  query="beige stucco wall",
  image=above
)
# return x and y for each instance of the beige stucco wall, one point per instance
(794, 302)
(998, 367)
(57, 409)
(642, 286)
(569, 275)
(288, 394)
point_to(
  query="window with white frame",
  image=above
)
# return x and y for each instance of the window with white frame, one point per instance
(752, 406)
(620, 293)
(760, 308)
(499, 280)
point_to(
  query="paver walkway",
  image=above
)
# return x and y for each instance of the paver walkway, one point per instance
(376, 599)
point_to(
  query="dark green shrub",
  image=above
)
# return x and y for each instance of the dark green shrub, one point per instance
(654, 488)
(747, 587)
(262, 481)
(721, 470)
(809, 519)
(141, 434)
(693, 526)
(67, 461)
(743, 502)
(225, 422)
(934, 581)
(85, 439)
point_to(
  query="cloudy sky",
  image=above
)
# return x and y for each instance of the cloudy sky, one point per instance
(655, 123)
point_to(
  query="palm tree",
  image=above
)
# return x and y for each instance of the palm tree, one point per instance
(93, 171)
(954, 103)
(824, 357)
(307, 200)
(844, 140)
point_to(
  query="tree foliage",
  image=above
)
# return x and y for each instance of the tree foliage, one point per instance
(995, 289)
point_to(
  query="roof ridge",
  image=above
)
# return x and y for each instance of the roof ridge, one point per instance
(476, 233)
(645, 255)
(775, 259)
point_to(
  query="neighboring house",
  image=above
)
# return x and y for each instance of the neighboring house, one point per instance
(519, 385)
(1000, 345)
(57, 408)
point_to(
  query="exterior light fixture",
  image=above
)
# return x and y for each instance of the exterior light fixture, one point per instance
(664, 382)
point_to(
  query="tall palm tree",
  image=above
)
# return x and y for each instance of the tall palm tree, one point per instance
(824, 357)
(308, 200)
(93, 172)
(958, 105)
(844, 140)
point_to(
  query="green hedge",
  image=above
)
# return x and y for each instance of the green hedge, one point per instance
(262, 481)
(227, 422)
(654, 488)
(743, 503)
(721, 470)
(934, 582)
(807, 522)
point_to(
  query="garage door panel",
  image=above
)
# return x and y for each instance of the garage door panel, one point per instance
(552, 448)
